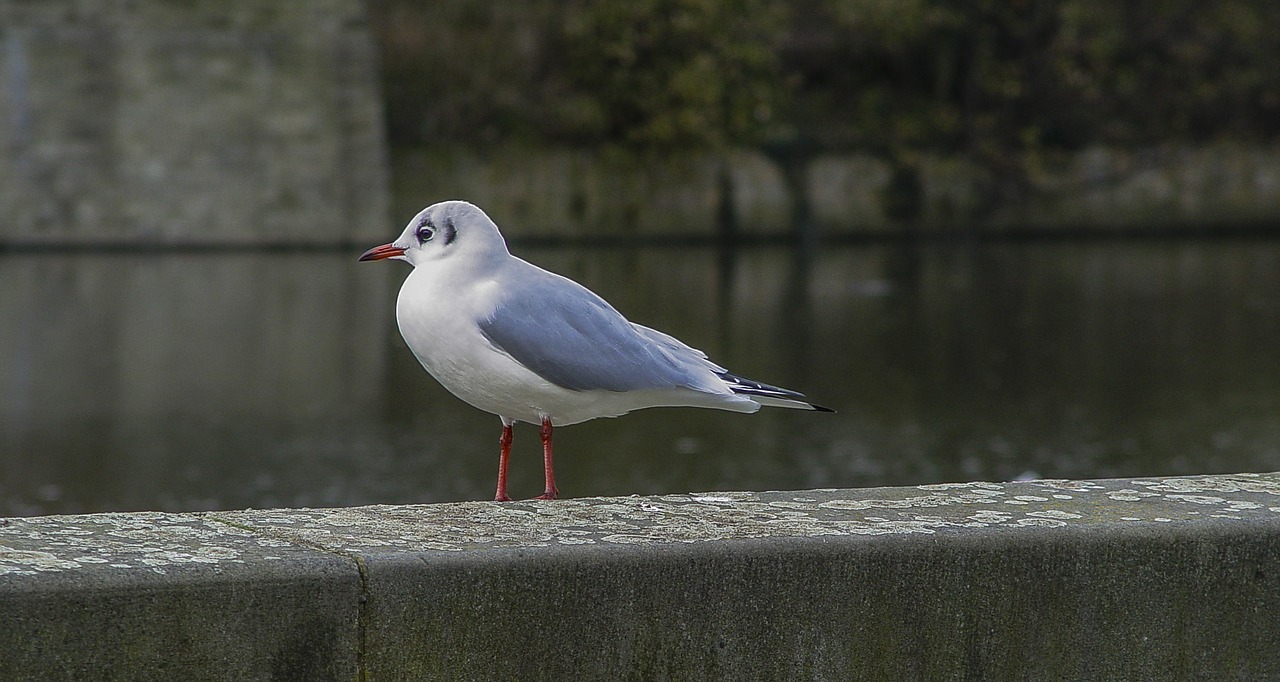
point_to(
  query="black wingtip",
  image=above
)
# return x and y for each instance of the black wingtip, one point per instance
(744, 386)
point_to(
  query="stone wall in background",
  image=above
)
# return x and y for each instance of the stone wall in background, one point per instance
(568, 193)
(244, 123)
(225, 122)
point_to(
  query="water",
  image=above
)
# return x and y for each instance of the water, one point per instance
(191, 382)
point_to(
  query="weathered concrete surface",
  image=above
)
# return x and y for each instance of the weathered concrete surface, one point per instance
(572, 193)
(206, 123)
(1175, 578)
(565, 193)
(155, 596)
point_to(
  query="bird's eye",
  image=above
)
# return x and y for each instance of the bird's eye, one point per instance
(425, 234)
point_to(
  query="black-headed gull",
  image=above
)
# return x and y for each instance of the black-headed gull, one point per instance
(529, 345)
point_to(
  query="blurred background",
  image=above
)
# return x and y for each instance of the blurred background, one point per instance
(1034, 239)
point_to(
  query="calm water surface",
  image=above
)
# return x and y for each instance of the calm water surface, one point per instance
(190, 382)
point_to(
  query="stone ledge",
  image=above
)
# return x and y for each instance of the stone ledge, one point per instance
(1153, 578)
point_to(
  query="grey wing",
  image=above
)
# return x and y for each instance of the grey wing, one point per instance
(571, 337)
(678, 348)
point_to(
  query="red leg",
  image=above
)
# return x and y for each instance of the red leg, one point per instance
(503, 457)
(551, 491)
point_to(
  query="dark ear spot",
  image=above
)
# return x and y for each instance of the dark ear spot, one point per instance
(450, 232)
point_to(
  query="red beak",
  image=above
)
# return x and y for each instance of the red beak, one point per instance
(380, 252)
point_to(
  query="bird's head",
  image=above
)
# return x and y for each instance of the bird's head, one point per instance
(449, 229)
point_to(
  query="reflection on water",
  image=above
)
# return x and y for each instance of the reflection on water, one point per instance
(196, 382)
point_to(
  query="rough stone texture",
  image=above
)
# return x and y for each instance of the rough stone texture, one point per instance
(561, 193)
(151, 121)
(1175, 578)
(152, 596)
(1216, 184)
(564, 193)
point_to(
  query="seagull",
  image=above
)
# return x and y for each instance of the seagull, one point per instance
(531, 346)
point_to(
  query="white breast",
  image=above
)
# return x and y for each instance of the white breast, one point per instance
(439, 322)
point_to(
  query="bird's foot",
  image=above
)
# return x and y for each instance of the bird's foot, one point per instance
(502, 497)
(548, 495)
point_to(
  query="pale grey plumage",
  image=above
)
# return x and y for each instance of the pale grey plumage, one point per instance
(571, 337)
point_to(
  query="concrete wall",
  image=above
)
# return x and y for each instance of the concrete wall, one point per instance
(145, 122)
(577, 193)
(1142, 579)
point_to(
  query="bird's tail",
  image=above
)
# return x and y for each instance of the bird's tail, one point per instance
(766, 394)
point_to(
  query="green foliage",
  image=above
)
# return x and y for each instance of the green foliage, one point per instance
(668, 73)
(1001, 81)
(646, 74)
(1051, 74)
